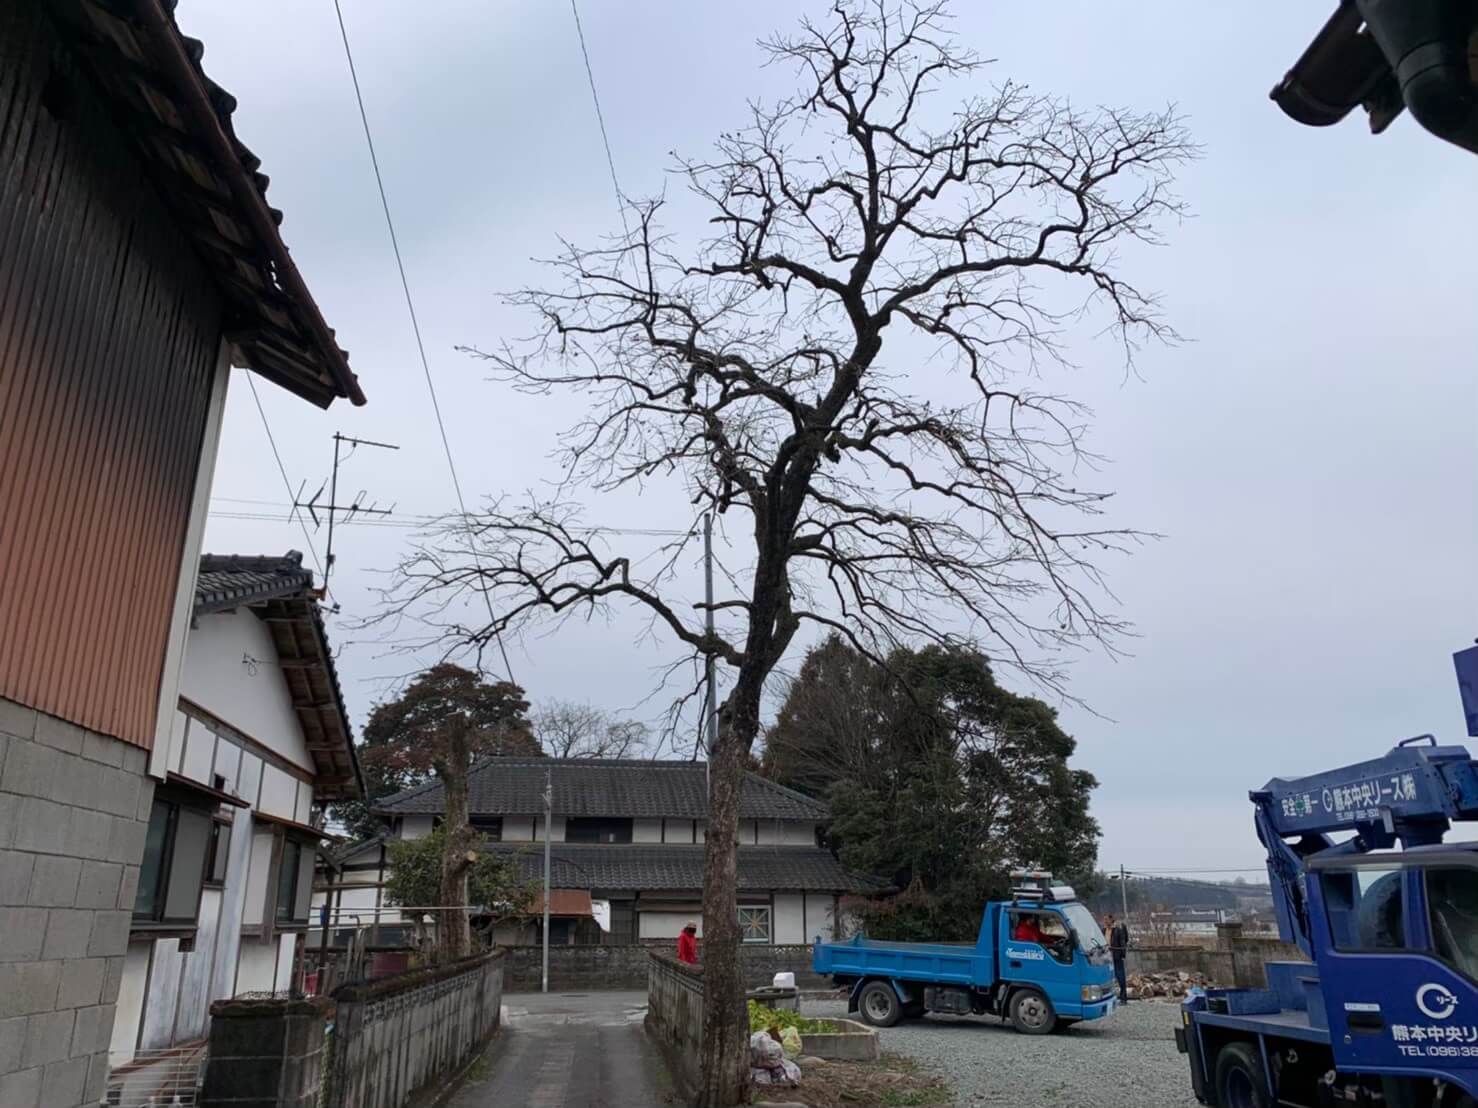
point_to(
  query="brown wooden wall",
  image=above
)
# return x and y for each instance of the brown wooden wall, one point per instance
(108, 338)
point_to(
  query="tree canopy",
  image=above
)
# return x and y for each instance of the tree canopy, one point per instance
(493, 883)
(938, 779)
(406, 735)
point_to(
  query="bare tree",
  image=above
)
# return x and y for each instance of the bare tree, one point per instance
(931, 494)
(568, 729)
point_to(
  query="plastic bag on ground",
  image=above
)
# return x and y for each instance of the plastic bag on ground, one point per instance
(790, 1042)
(768, 1064)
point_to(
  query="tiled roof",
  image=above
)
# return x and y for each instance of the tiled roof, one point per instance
(230, 580)
(280, 591)
(665, 866)
(602, 787)
(179, 121)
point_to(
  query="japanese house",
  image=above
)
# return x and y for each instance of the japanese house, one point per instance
(626, 841)
(261, 742)
(139, 262)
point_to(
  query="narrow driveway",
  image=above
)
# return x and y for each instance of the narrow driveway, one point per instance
(569, 1050)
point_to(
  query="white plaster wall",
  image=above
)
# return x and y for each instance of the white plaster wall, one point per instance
(787, 923)
(249, 778)
(746, 832)
(771, 832)
(304, 807)
(556, 829)
(257, 965)
(258, 869)
(516, 829)
(176, 749)
(279, 792)
(413, 827)
(130, 999)
(228, 764)
(665, 925)
(819, 912)
(282, 978)
(679, 831)
(799, 833)
(646, 830)
(256, 705)
(361, 899)
(702, 831)
(163, 995)
(200, 753)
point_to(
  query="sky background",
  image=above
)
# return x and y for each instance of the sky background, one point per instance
(1302, 453)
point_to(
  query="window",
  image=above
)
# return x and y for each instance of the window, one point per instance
(219, 854)
(1365, 908)
(295, 881)
(1452, 899)
(489, 828)
(754, 925)
(589, 830)
(173, 869)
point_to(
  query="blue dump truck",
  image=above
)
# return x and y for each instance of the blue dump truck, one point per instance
(1040, 962)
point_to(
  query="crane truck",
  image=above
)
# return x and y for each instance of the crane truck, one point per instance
(1385, 1012)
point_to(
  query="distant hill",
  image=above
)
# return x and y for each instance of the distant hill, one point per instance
(1176, 893)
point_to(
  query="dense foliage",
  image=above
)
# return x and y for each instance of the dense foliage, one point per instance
(399, 744)
(494, 884)
(938, 779)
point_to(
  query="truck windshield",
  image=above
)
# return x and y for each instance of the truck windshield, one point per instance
(1081, 920)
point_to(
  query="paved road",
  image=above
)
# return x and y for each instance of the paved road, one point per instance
(569, 1050)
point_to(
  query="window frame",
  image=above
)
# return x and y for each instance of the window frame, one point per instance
(302, 845)
(220, 835)
(769, 917)
(627, 825)
(157, 921)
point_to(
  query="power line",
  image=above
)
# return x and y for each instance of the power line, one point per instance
(404, 520)
(601, 119)
(416, 328)
(286, 484)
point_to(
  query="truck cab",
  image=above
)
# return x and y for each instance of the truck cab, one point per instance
(1039, 961)
(1058, 949)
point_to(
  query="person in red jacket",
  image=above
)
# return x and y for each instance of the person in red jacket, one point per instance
(687, 944)
(1027, 930)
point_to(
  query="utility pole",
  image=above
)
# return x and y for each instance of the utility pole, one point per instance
(548, 808)
(712, 722)
(1124, 893)
(333, 507)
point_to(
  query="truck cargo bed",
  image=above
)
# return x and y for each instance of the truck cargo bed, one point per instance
(960, 965)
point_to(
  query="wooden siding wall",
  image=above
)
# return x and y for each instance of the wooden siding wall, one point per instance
(109, 330)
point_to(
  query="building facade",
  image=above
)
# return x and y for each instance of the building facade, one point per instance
(261, 742)
(626, 845)
(139, 260)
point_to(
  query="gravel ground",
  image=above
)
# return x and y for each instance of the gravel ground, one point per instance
(1126, 1061)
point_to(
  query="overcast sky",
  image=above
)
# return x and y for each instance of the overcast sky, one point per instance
(1306, 454)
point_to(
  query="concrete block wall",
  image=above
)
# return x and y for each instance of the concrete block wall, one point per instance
(581, 968)
(675, 1017)
(74, 807)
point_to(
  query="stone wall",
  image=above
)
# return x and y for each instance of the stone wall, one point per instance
(582, 968)
(399, 1036)
(74, 807)
(675, 1017)
(1237, 959)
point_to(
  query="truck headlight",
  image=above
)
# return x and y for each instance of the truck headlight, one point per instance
(1092, 994)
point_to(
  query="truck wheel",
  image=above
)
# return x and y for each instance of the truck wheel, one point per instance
(1239, 1078)
(880, 1004)
(1032, 1014)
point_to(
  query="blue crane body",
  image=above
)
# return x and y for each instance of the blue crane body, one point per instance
(1385, 1012)
(1061, 977)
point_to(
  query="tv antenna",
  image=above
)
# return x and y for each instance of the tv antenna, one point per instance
(332, 509)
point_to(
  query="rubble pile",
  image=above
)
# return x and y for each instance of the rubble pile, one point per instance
(1147, 986)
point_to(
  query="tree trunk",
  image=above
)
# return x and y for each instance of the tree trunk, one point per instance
(725, 1053)
(454, 926)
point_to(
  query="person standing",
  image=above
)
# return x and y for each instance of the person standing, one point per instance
(1118, 938)
(687, 944)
